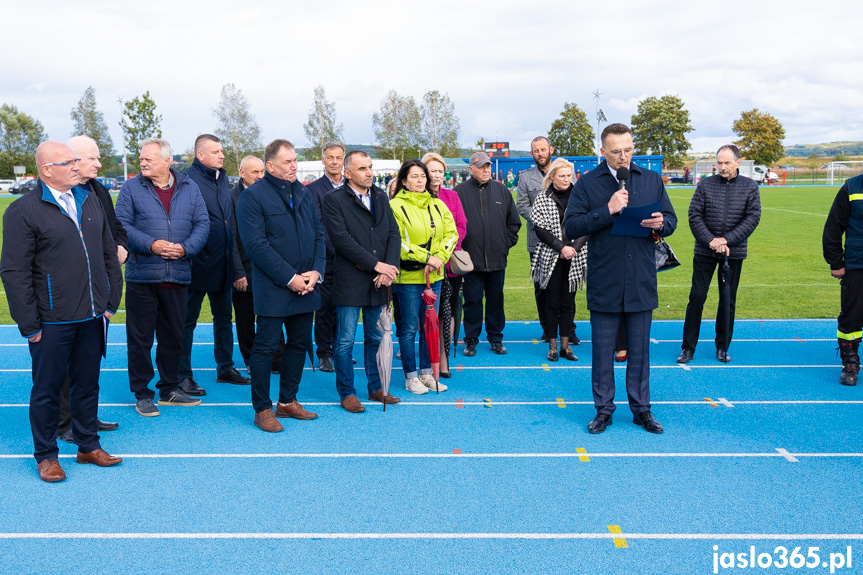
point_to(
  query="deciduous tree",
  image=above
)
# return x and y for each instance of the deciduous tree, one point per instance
(237, 128)
(659, 127)
(397, 127)
(571, 134)
(760, 135)
(144, 123)
(321, 126)
(440, 124)
(89, 121)
(20, 135)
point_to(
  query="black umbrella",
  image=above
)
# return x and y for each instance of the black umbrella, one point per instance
(724, 300)
(445, 317)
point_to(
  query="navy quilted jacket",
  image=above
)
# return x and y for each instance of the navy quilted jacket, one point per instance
(721, 208)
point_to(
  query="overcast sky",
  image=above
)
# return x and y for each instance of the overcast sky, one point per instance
(508, 66)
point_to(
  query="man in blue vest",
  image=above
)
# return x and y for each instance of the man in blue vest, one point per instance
(213, 273)
(846, 265)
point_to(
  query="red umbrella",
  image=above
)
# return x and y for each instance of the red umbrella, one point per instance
(432, 331)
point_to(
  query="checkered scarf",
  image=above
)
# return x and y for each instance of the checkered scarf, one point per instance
(544, 215)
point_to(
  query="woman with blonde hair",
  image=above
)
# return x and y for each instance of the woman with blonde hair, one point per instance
(558, 264)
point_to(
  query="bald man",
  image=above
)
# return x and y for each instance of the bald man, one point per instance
(62, 279)
(251, 170)
(86, 148)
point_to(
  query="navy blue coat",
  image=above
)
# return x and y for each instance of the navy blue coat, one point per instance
(621, 270)
(361, 240)
(320, 188)
(281, 241)
(52, 273)
(212, 268)
(140, 211)
(242, 263)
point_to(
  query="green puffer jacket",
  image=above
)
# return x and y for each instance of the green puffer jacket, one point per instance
(415, 213)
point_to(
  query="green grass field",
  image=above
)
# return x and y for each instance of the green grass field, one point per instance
(784, 276)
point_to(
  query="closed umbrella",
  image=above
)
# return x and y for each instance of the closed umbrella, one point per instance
(432, 331)
(385, 351)
(445, 317)
(724, 299)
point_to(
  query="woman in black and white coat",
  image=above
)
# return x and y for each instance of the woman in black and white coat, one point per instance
(558, 264)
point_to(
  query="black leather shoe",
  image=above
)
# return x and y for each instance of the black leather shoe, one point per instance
(685, 355)
(498, 348)
(67, 436)
(646, 420)
(599, 423)
(326, 364)
(231, 376)
(190, 387)
(275, 368)
(723, 356)
(573, 340)
(469, 348)
(552, 355)
(107, 425)
(568, 354)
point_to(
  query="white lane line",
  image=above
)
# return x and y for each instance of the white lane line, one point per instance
(528, 367)
(784, 453)
(684, 367)
(429, 535)
(628, 455)
(795, 212)
(652, 340)
(721, 400)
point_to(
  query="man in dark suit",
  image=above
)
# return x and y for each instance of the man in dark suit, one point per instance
(212, 269)
(622, 271)
(87, 150)
(367, 244)
(62, 280)
(333, 157)
(251, 170)
(283, 237)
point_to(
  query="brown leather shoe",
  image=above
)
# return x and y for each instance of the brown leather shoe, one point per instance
(267, 421)
(379, 397)
(50, 471)
(99, 457)
(352, 404)
(293, 409)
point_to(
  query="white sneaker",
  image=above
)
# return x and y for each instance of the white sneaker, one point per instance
(414, 385)
(427, 380)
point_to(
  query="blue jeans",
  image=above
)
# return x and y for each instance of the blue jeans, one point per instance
(346, 329)
(411, 319)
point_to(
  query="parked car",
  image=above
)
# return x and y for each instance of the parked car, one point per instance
(678, 178)
(233, 181)
(23, 187)
(6, 184)
(109, 183)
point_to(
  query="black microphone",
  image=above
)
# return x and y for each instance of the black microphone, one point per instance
(622, 177)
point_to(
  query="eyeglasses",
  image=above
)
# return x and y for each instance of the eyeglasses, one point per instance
(624, 152)
(74, 162)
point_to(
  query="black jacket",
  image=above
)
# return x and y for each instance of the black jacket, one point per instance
(213, 267)
(52, 273)
(320, 188)
(361, 240)
(845, 218)
(721, 208)
(492, 223)
(117, 230)
(242, 262)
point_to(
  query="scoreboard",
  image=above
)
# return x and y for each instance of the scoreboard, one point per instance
(499, 148)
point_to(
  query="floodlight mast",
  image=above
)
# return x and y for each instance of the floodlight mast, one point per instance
(600, 117)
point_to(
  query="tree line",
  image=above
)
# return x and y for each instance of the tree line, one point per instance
(403, 129)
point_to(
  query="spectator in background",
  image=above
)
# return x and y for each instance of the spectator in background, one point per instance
(333, 158)
(166, 219)
(622, 272)
(558, 264)
(251, 170)
(529, 185)
(724, 211)
(451, 282)
(428, 238)
(213, 271)
(492, 229)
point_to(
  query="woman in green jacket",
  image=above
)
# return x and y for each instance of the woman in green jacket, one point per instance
(429, 237)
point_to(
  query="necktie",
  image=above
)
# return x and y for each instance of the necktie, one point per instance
(69, 204)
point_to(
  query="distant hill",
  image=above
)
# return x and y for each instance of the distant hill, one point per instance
(370, 149)
(825, 150)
